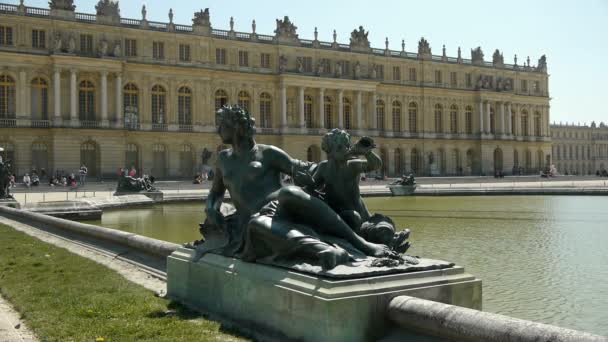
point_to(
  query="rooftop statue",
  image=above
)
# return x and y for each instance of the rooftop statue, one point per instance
(270, 222)
(424, 49)
(202, 17)
(108, 8)
(286, 29)
(497, 58)
(542, 63)
(358, 38)
(66, 5)
(477, 55)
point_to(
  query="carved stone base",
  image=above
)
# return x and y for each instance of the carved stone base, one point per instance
(276, 303)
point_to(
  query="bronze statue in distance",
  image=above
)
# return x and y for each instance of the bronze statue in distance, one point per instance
(5, 180)
(127, 183)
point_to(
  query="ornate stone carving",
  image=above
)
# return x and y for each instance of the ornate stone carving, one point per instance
(103, 47)
(64, 5)
(57, 42)
(201, 23)
(286, 31)
(117, 49)
(373, 74)
(444, 57)
(542, 64)
(459, 59)
(359, 40)
(300, 65)
(484, 82)
(357, 70)
(72, 44)
(497, 59)
(282, 63)
(424, 49)
(108, 8)
(477, 56)
(339, 69)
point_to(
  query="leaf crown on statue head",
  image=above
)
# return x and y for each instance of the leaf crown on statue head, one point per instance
(333, 137)
(237, 118)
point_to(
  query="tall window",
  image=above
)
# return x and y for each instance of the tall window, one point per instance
(524, 123)
(415, 161)
(158, 50)
(88, 157)
(265, 60)
(40, 156)
(159, 160)
(438, 118)
(159, 105)
(469, 80)
(380, 71)
(453, 119)
(524, 85)
(398, 157)
(7, 97)
(220, 56)
(130, 47)
(380, 115)
(513, 125)
(243, 58)
(131, 105)
(412, 74)
(453, 79)
(468, 118)
(347, 111)
(6, 35)
(244, 100)
(328, 109)
(306, 63)
(186, 162)
(132, 156)
(396, 73)
(38, 39)
(515, 159)
(308, 117)
(396, 116)
(492, 121)
(184, 106)
(536, 87)
(86, 43)
(221, 99)
(413, 117)
(40, 99)
(537, 124)
(184, 53)
(438, 78)
(265, 110)
(86, 101)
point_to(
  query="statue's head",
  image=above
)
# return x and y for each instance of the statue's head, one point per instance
(336, 143)
(233, 121)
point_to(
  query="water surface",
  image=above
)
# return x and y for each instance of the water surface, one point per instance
(542, 258)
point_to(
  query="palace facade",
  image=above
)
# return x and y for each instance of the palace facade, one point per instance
(580, 149)
(109, 92)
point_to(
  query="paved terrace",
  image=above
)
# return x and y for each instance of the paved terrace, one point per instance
(185, 190)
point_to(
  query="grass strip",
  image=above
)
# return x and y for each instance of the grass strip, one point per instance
(65, 297)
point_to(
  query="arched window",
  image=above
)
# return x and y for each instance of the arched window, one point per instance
(415, 161)
(131, 106)
(397, 117)
(328, 109)
(492, 121)
(398, 156)
(468, 118)
(453, 119)
(132, 157)
(221, 99)
(86, 101)
(380, 115)
(528, 161)
(159, 160)
(244, 100)
(308, 117)
(40, 99)
(537, 124)
(524, 123)
(457, 162)
(88, 157)
(413, 117)
(438, 118)
(515, 159)
(347, 112)
(40, 157)
(7, 97)
(186, 163)
(159, 105)
(540, 159)
(498, 162)
(265, 110)
(184, 106)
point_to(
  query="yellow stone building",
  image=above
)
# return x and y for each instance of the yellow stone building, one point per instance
(580, 149)
(111, 92)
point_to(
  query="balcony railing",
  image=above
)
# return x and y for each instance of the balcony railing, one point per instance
(40, 124)
(185, 128)
(159, 127)
(8, 122)
(89, 124)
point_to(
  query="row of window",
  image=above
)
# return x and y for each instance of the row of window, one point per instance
(577, 152)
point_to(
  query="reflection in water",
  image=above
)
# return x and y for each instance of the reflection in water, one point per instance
(542, 258)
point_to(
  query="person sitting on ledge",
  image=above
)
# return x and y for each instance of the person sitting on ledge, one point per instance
(273, 220)
(339, 176)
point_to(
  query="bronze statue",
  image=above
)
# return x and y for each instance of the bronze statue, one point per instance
(5, 180)
(127, 183)
(272, 220)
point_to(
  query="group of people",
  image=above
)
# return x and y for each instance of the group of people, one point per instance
(199, 178)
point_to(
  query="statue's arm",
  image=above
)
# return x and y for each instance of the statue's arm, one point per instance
(371, 162)
(216, 196)
(283, 162)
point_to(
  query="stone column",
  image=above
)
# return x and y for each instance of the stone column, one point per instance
(501, 128)
(283, 106)
(301, 107)
(104, 99)
(22, 97)
(340, 108)
(119, 110)
(374, 121)
(321, 108)
(481, 126)
(359, 111)
(509, 119)
(531, 126)
(487, 118)
(73, 99)
(57, 93)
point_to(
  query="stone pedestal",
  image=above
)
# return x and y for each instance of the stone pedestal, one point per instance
(281, 304)
(156, 196)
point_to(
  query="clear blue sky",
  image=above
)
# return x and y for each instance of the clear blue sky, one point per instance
(573, 34)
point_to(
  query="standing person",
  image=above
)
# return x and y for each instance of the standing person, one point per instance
(26, 180)
(132, 172)
(83, 174)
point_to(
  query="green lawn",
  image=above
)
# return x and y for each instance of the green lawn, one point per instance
(65, 297)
